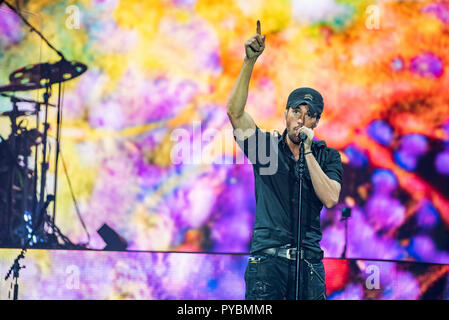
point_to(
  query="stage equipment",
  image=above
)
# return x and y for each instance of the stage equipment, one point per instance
(345, 215)
(113, 240)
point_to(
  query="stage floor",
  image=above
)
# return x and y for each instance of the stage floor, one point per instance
(90, 274)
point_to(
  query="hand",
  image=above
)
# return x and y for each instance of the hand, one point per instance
(309, 133)
(255, 45)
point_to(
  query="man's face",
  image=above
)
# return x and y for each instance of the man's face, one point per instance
(295, 118)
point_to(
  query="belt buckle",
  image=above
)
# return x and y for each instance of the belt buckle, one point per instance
(288, 253)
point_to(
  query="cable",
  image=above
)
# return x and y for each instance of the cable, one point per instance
(61, 103)
(34, 29)
(74, 198)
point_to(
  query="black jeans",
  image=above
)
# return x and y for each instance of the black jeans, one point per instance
(273, 278)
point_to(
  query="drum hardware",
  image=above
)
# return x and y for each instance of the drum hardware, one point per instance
(23, 211)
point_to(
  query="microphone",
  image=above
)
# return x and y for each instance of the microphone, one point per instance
(303, 137)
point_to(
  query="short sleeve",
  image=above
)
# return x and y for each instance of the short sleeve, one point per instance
(260, 149)
(249, 146)
(333, 167)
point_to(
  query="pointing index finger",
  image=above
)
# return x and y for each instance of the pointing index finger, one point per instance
(258, 27)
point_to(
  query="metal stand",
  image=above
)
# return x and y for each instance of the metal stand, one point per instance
(58, 141)
(15, 268)
(36, 151)
(44, 163)
(345, 215)
(13, 162)
(18, 183)
(299, 250)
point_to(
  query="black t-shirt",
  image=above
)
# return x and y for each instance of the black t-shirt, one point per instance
(276, 178)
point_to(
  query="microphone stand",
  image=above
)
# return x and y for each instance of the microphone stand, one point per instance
(15, 268)
(345, 215)
(299, 250)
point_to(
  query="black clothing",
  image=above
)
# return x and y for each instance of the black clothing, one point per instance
(276, 178)
(273, 278)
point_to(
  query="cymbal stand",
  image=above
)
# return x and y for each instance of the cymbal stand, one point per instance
(39, 213)
(58, 140)
(13, 163)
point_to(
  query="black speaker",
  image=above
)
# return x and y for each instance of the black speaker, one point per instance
(114, 241)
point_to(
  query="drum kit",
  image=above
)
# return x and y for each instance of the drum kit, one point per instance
(24, 197)
(24, 202)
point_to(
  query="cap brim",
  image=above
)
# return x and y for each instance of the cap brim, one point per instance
(296, 104)
(312, 108)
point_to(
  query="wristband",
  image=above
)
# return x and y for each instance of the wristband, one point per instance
(307, 152)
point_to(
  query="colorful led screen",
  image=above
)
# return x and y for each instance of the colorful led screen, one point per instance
(148, 147)
(99, 275)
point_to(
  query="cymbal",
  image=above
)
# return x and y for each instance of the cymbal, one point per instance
(12, 87)
(19, 99)
(37, 76)
(44, 73)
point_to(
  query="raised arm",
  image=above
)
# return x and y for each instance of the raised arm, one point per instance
(241, 121)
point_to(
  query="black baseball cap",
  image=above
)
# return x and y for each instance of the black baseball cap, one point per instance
(308, 96)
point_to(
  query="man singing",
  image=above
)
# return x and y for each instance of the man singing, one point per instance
(271, 269)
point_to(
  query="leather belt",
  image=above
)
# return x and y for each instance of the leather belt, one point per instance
(290, 253)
